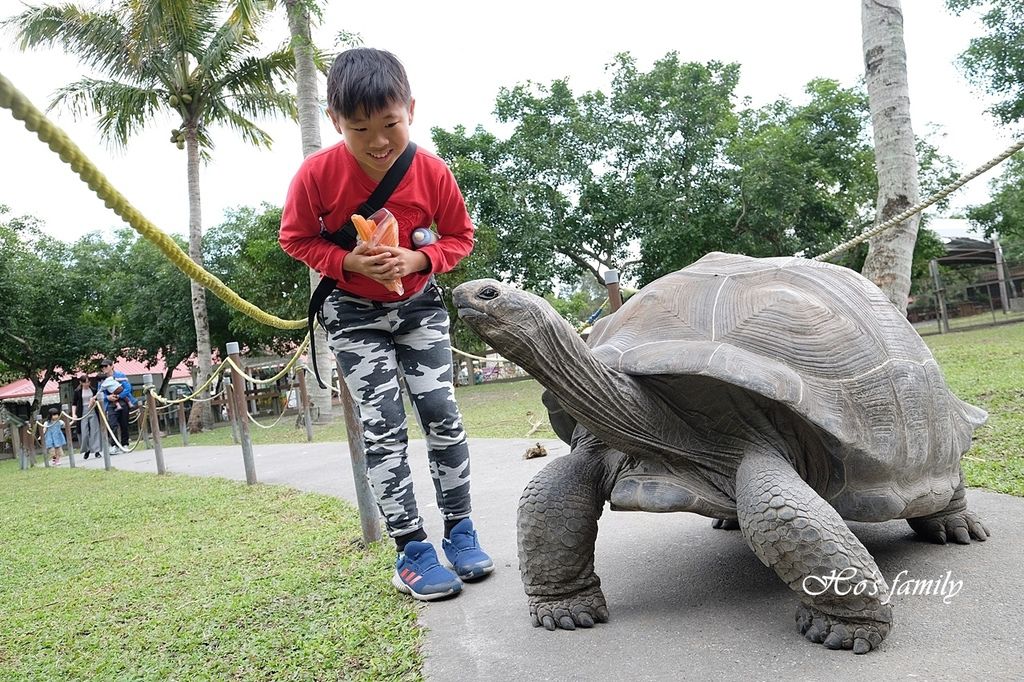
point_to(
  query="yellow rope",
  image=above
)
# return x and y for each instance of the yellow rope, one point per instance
(23, 110)
(287, 368)
(938, 196)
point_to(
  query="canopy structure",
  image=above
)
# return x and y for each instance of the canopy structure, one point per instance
(963, 251)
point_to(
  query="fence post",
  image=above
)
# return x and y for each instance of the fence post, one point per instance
(101, 417)
(16, 443)
(35, 438)
(181, 424)
(154, 422)
(940, 296)
(1004, 296)
(144, 426)
(71, 443)
(304, 398)
(237, 383)
(611, 281)
(369, 515)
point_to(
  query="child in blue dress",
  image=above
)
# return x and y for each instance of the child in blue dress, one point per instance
(54, 438)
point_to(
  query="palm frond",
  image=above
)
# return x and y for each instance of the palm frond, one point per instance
(123, 109)
(246, 128)
(98, 38)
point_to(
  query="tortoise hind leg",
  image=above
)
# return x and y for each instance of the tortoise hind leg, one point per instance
(804, 540)
(956, 521)
(557, 525)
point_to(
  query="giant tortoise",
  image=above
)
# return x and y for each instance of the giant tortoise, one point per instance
(780, 393)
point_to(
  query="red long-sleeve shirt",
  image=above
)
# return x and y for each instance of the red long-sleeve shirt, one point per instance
(331, 185)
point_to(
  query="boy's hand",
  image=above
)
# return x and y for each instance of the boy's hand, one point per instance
(402, 261)
(384, 263)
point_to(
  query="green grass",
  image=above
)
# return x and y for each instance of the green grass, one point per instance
(985, 367)
(121, 576)
(505, 409)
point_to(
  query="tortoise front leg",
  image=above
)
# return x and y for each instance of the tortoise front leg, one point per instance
(804, 540)
(558, 515)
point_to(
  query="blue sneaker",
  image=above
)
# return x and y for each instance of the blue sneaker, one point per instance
(464, 553)
(417, 572)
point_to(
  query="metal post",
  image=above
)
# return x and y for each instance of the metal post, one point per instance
(304, 398)
(940, 295)
(1004, 296)
(237, 383)
(154, 422)
(181, 424)
(71, 444)
(611, 281)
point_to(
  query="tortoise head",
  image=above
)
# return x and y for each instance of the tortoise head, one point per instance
(521, 326)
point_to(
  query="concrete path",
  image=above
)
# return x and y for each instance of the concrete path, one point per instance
(686, 601)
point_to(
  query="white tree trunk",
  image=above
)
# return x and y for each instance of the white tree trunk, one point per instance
(309, 129)
(201, 416)
(890, 254)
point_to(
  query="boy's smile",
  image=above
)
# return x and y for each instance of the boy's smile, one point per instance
(377, 139)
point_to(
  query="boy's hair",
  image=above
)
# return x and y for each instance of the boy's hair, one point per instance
(54, 411)
(364, 80)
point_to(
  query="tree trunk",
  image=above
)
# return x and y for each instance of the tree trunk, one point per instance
(201, 417)
(309, 129)
(890, 254)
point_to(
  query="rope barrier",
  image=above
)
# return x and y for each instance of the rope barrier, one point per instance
(274, 379)
(917, 208)
(57, 140)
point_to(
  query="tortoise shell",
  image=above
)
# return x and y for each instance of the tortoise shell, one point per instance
(822, 341)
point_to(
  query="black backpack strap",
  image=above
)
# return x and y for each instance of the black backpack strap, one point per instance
(346, 239)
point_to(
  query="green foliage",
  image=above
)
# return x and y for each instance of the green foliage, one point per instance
(244, 253)
(121, 576)
(47, 327)
(666, 167)
(996, 60)
(193, 60)
(1004, 213)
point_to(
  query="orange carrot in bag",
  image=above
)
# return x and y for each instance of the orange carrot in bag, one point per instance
(385, 234)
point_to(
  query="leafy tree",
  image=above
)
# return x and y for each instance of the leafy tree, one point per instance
(244, 252)
(47, 330)
(1004, 212)
(996, 60)
(191, 58)
(579, 178)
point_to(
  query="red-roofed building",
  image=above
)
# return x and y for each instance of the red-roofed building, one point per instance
(18, 395)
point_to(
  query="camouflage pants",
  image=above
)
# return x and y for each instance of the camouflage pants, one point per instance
(374, 342)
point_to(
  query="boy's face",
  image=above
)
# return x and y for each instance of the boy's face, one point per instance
(377, 139)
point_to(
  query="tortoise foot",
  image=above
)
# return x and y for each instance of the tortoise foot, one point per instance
(582, 609)
(725, 524)
(959, 526)
(836, 632)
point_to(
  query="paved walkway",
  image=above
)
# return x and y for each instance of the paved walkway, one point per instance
(686, 601)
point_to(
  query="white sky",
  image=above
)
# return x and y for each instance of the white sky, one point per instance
(458, 54)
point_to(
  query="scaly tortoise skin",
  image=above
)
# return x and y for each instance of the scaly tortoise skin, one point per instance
(782, 394)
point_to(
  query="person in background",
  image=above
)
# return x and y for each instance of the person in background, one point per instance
(83, 408)
(54, 437)
(118, 400)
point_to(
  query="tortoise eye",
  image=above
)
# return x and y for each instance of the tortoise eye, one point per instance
(488, 293)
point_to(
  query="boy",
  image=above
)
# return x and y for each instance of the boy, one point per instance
(374, 331)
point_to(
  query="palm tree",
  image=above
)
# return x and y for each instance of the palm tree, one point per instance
(891, 253)
(193, 58)
(307, 59)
